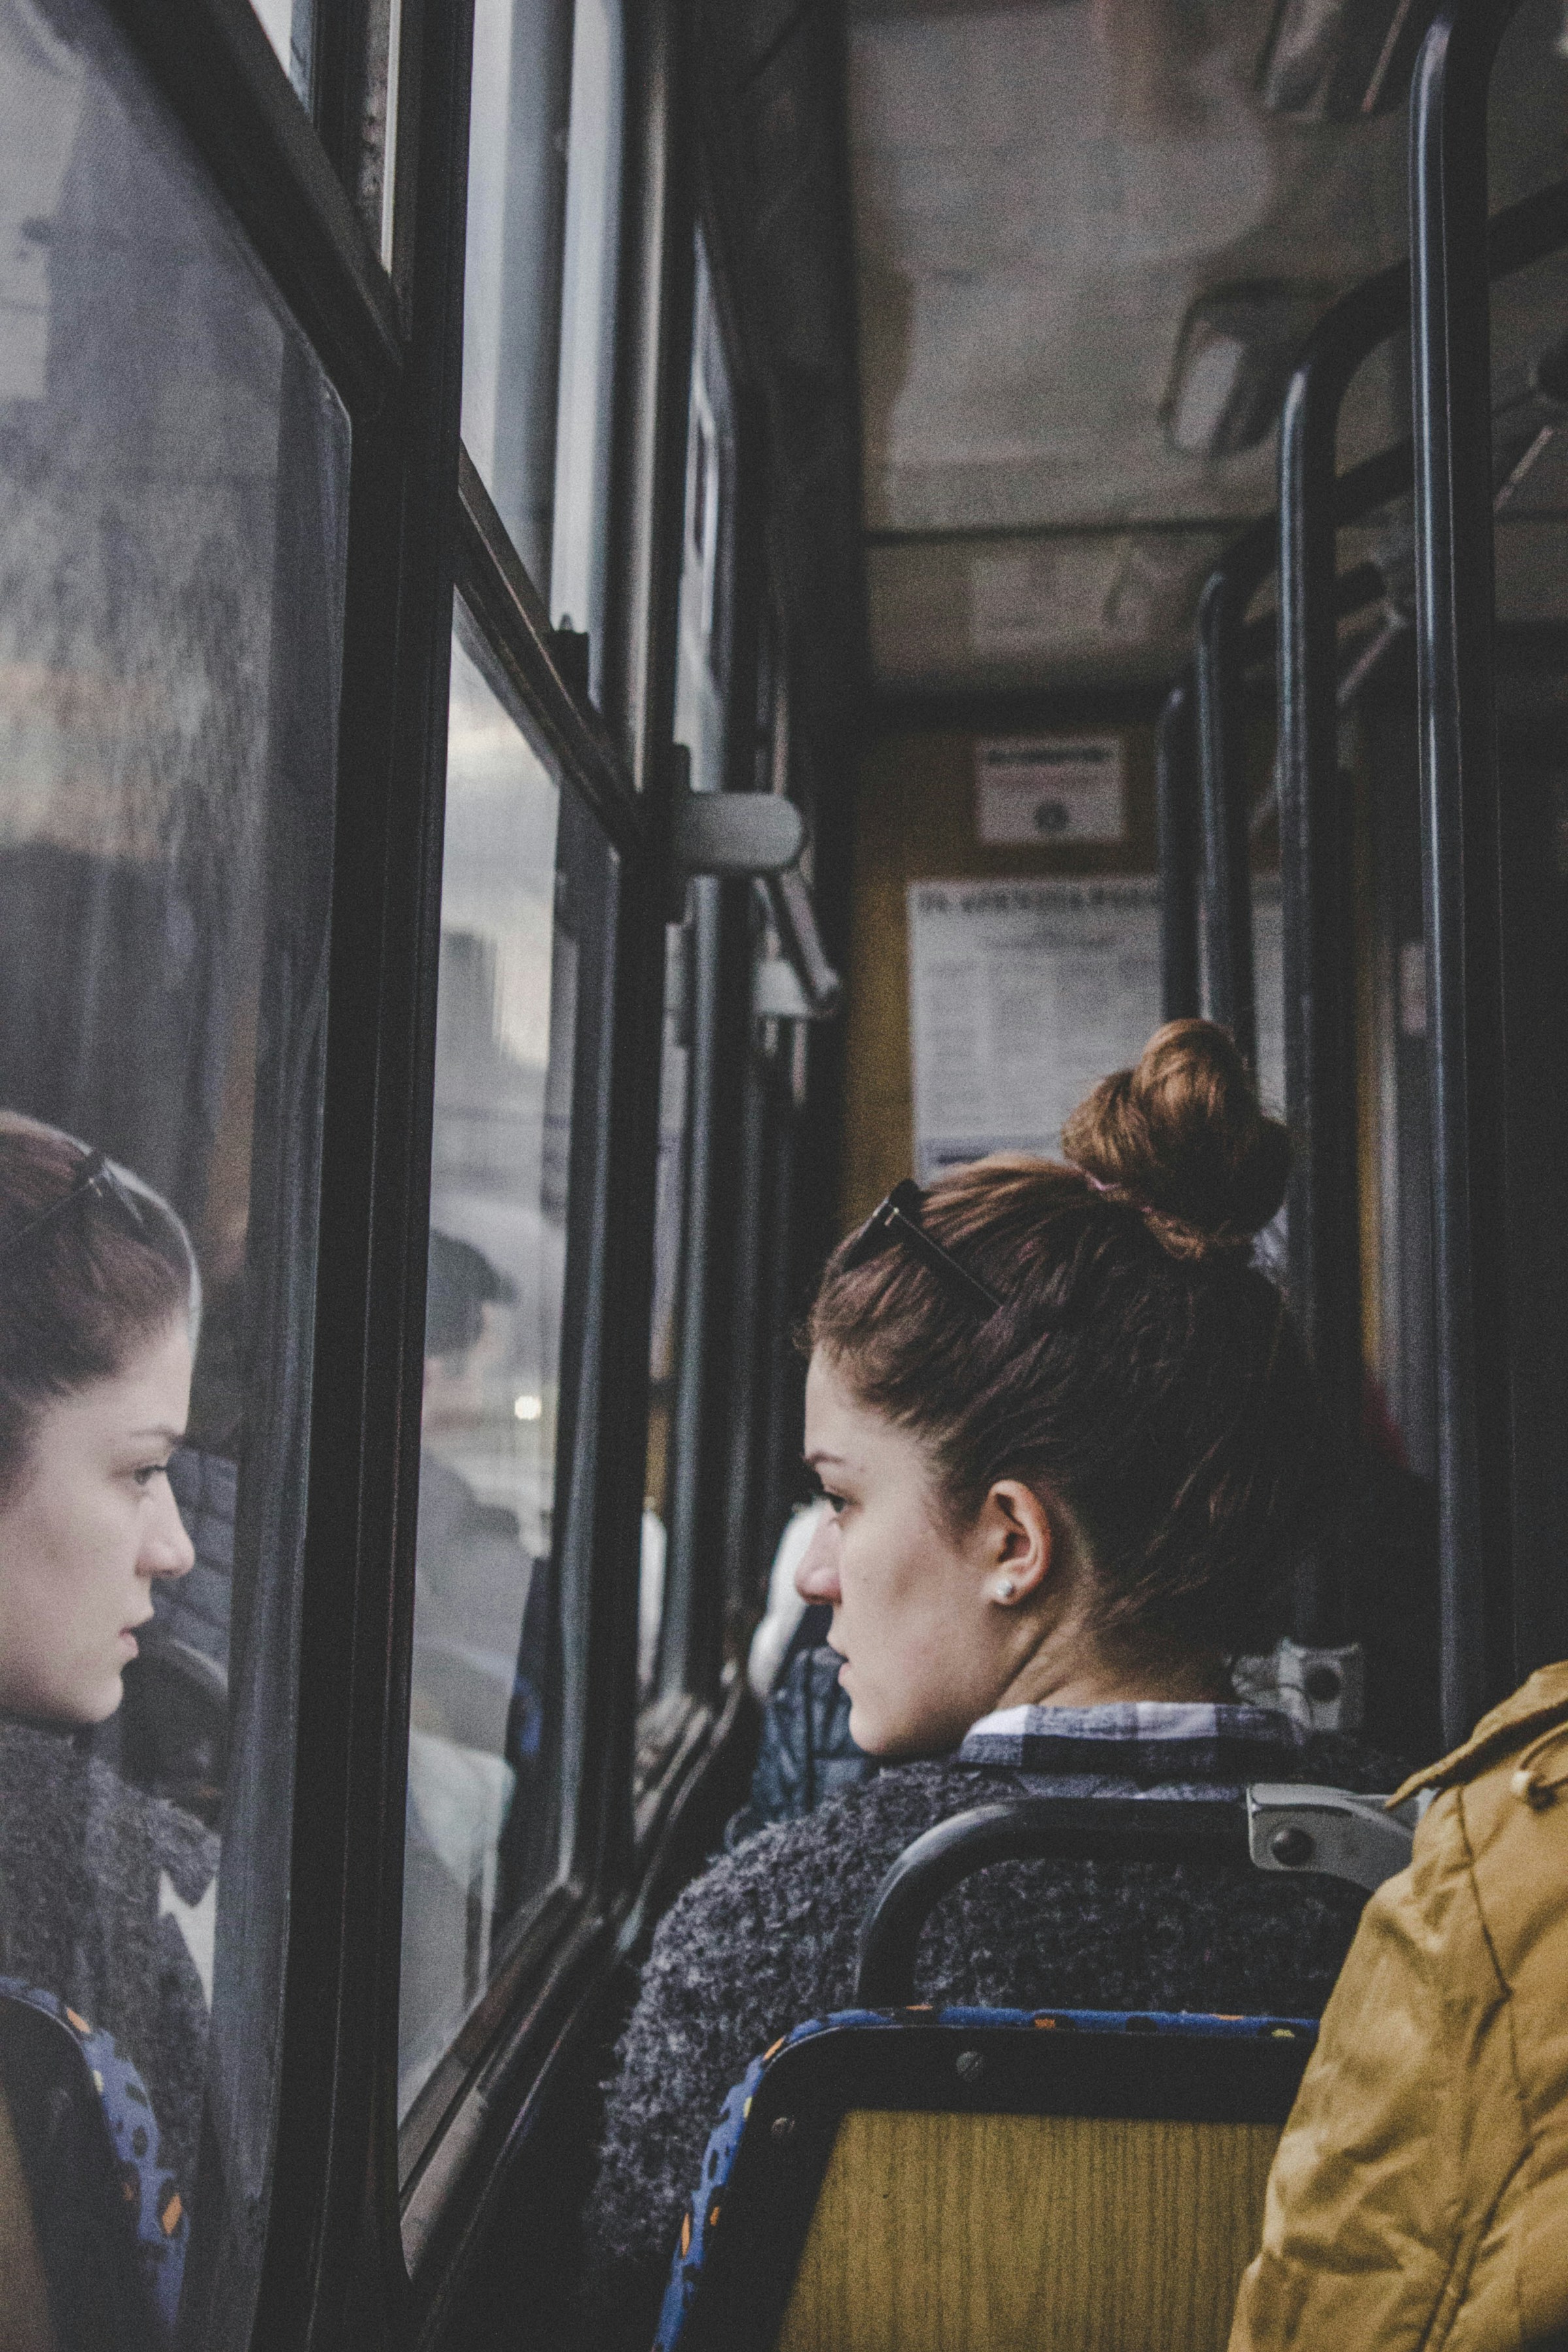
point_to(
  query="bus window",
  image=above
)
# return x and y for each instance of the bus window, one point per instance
(375, 164)
(668, 1246)
(512, 288)
(678, 1405)
(174, 475)
(290, 26)
(592, 234)
(484, 1821)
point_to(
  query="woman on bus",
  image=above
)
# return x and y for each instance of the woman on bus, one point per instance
(1065, 1426)
(100, 1301)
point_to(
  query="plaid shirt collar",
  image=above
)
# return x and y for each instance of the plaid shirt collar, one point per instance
(1138, 1743)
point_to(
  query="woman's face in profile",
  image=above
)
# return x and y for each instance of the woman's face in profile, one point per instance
(91, 1524)
(911, 1617)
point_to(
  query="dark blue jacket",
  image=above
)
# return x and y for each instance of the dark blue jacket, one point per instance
(805, 1752)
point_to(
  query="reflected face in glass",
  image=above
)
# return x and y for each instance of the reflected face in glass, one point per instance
(83, 1536)
(454, 1383)
(909, 1614)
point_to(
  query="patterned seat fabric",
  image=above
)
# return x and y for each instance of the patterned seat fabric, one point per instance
(703, 2212)
(154, 2206)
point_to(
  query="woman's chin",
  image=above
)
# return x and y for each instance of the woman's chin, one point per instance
(870, 1735)
(98, 1707)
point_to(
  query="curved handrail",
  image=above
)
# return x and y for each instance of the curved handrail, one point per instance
(1033, 1829)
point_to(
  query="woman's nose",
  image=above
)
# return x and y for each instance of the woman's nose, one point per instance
(817, 1578)
(167, 1549)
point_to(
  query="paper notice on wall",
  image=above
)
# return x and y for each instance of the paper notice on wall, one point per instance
(1022, 996)
(1051, 788)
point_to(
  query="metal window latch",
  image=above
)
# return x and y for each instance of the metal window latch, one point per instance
(795, 981)
(779, 994)
(736, 835)
(1338, 1832)
(757, 837)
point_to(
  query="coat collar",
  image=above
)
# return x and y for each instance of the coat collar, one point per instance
(1540, 1704)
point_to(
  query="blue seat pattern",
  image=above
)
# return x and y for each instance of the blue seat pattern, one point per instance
(163, 2224)
(703, 2212)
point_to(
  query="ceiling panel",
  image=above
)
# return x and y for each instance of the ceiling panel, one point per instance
(1043, 194)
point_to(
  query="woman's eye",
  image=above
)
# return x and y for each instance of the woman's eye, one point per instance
(835, 1503)
(145, 1474)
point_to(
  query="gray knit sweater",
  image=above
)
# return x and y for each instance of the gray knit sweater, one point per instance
(767, 1937)
(82, 1859)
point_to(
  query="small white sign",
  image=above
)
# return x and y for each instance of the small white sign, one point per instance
(1052, 788)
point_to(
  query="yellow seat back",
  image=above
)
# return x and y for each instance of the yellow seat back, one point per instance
(26, 2325)
(957, 2232)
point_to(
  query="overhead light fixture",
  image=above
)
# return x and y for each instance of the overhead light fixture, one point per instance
(1340, 61)
(1234, 357)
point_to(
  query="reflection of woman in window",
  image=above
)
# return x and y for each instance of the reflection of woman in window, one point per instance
(476, 1705)
(99, 1299)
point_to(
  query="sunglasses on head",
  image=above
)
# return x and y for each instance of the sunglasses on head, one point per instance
(896, 1220)
(96, 1176)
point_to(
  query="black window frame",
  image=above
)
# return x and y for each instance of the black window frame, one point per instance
(724, 1515)
(420, 526)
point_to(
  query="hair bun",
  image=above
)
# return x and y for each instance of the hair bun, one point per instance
(1184, 1137)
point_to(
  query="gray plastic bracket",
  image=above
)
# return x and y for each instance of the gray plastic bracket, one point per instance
(1292, 1827)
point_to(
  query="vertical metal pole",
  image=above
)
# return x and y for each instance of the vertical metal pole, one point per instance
(1222, 745)
(1315, 830)
(1461, 841)
(1323, 1233)
(1176, 808)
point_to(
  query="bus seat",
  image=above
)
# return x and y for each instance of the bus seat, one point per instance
(107, 2229)
(998, 2180)
(26, 2323)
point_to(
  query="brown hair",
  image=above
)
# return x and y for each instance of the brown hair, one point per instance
(83, 1277)
(1141, 1368)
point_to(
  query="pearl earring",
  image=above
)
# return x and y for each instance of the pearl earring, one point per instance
(1005, 1588)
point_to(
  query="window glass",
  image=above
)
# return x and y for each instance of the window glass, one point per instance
(289, 26)
(587, 329)
(702, 666)
(376, 164)
(512, 294)
(670, 1234)
(485, 1814)
(173, 493)
(676, 1367)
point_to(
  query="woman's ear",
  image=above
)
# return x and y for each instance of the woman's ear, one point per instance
(1019, 1542)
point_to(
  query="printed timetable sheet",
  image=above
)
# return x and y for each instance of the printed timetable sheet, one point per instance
(1023, 995)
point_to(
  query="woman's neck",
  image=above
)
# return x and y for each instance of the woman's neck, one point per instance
(1064, 1673)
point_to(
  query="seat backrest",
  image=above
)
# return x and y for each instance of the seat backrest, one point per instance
(26, 2322)
(999, 2179)
(108, 2226)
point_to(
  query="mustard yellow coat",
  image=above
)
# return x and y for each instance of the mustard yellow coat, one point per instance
(1420, 2193)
